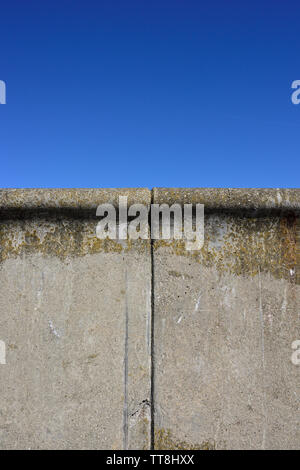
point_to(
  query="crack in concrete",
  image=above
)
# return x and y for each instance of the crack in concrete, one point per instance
(141, 405)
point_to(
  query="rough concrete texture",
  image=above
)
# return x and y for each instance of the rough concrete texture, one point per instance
(108, 340)
(68, 198)
(231, 199)
(75, 315)
(224, 322)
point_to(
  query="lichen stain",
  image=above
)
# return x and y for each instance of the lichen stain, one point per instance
(62, 239)
(234, 244)
(247, 247)
(164, 440)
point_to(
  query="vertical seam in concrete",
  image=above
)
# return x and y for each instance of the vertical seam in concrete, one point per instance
(152, 331)
(125, 408)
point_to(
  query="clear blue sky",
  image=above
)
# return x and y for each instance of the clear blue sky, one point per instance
(124, 93)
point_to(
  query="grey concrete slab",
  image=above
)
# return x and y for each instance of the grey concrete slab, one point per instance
(75, 316)
(224, 322)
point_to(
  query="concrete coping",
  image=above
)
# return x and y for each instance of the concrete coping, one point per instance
(73, 198)
(232, 199)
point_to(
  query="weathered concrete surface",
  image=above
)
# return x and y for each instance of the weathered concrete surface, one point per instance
(75, 314)
(224, 322)
(32, 199)
(226, 199)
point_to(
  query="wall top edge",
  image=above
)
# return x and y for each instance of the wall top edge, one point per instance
(232, 198)
(212, 198)
(73, 198)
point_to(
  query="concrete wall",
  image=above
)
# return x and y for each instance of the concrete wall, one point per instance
(130, 344)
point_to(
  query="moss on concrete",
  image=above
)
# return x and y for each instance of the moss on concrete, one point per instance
(234, 242)
(62, 239)
(245, 246)
(164, 440)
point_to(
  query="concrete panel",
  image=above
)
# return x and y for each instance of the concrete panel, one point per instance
(224, 322)
(84, 366)
(75, 316)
